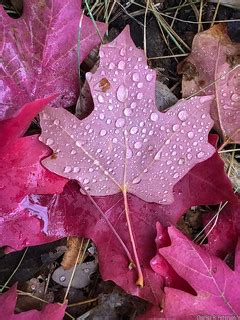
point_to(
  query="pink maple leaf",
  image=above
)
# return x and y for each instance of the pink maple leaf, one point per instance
(39, 53)
(126, 145)
(20, 170)
(216, 285)
(8, 302)
(213, 68)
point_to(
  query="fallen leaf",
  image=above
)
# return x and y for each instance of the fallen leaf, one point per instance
(126, 144)
(213, 68)
(216, 285)
(20, 170)
(39, 53)
(8, 301)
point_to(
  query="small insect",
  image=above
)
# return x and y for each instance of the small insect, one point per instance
(104, 84)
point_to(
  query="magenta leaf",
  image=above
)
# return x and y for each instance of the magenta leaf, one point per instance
(216, 285)
(8, 301)
(39, 52)
(20, 170)
(126, 144)
(213, 68)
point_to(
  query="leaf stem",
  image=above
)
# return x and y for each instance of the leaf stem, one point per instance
(140, 281)
(110, 226)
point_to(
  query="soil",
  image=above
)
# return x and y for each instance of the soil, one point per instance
(34, 273)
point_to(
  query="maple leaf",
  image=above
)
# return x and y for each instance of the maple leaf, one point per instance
(213, 68)
(8, 302)
(125, 144)
(215, 283)
(71, 213)
(20, 170)
(39, 53)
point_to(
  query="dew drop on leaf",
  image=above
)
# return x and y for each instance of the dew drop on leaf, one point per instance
(122, 93)
(183, 115)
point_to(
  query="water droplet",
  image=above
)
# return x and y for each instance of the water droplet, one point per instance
(136, 180)
(139, 95)
(73, 152)
(111, 66)
(183, 115)
(181, 161)
(78, 143)
(190, 134)
(76, 169)
(137, 145)
(133, 105)
(140, 85)
(133, 130)
(135, 76)
(121, 65)
(49, 141)
(167, 141)
(122, 52)
(62, 278)
(149, 76)
(154, 116)
(67, 169)
(205, 99)
(129, 153)
(200, 154)
(175, 127)
(189, 156)
(158, 155)
(101, 116)
(235, 97)
(100, 98)
(101, 54)
(122, 93)
(120, 122)
(176, 175)
(86, 181)
(127, 112)
(103, 133)
(114, 140)
(56, 122)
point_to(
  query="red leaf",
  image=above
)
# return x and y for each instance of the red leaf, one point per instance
(8, 301)
(213, 68)
(215, 283)
(40, 53)
(20, 170)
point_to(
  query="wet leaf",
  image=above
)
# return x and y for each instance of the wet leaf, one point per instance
(8, 301)
(126, 144)
(39, 52)
(213, 67)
